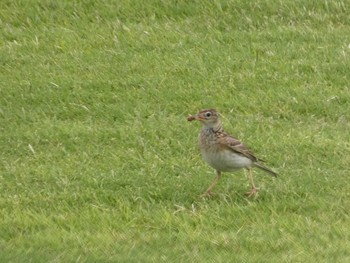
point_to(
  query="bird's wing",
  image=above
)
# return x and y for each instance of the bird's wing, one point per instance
(231, 143)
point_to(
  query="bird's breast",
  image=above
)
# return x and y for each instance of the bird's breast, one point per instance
(225, 160)
(219, 157)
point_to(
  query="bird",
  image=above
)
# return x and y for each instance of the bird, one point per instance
(224, 152)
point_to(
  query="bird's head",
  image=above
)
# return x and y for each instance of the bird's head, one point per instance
(208, 117)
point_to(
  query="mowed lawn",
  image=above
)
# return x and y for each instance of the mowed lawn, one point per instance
(98, 162)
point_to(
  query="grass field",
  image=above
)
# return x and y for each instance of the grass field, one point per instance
(98, 162)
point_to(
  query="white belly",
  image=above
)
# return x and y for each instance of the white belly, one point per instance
(226, 160)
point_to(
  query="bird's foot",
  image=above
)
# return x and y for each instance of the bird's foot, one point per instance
(253, 192)
(207, 194)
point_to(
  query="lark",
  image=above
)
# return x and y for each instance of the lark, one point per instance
(224, 152)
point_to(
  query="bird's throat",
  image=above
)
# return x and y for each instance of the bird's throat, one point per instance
(214, 127)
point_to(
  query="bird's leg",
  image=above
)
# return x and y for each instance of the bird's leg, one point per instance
(218, 176)
(253, 190)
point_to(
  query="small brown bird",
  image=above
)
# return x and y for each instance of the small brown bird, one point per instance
(224, 152)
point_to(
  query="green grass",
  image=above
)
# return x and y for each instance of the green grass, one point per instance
(98, 162)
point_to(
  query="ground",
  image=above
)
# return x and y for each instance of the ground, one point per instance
(98, 162)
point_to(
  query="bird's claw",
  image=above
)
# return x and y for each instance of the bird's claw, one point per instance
(207, 194)
(253, 192)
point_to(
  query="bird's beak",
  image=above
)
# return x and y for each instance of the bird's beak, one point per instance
(194, 117)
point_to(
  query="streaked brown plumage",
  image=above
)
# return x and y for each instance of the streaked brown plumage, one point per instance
(224, 152)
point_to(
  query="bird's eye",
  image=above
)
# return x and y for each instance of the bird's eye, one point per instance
(208, 114)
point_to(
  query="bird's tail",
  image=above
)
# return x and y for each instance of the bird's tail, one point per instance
(264, 168)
